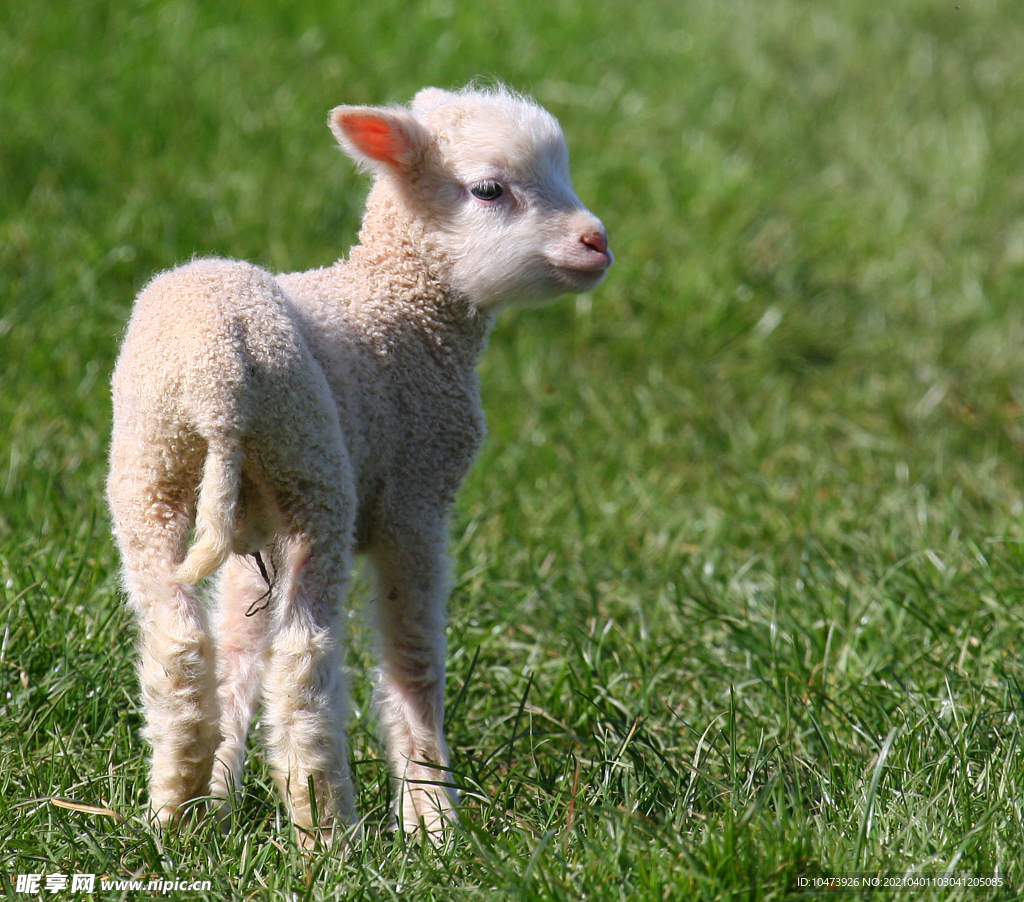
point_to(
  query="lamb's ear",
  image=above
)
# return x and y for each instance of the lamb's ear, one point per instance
(379, 137)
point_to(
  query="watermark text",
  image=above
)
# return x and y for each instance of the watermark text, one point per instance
(76, 884)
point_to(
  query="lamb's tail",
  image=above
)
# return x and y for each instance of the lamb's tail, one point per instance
(215, 516)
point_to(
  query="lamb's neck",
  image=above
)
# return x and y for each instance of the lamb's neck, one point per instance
(407, 283)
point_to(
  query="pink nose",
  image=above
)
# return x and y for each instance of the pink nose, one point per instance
(597, 240)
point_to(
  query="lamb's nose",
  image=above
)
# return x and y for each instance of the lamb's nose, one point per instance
(597, 240)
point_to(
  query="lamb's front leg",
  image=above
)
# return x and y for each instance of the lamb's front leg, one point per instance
(411, 598)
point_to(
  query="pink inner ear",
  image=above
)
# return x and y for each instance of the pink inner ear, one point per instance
(377, 138)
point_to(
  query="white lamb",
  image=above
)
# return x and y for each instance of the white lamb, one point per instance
(296, 420)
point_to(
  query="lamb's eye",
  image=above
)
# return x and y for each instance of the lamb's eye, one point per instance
(489, 190)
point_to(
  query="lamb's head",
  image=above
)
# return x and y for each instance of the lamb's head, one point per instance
(486, 174)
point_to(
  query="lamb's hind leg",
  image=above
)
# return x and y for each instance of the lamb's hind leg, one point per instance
(241, 628)
(176, 667)
(305, 696)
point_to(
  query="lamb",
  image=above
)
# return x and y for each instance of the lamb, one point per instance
(290, 422)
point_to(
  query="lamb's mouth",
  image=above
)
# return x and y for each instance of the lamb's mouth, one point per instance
(587, 273)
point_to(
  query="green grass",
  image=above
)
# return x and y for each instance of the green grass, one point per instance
(740, 591)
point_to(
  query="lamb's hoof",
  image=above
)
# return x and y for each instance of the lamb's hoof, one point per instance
(335, 838)
(171, 816)
(429, 814)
